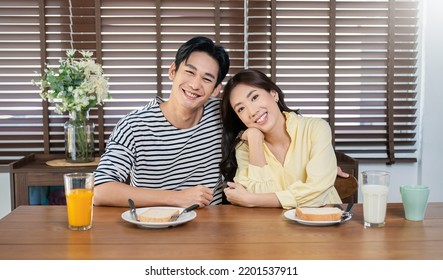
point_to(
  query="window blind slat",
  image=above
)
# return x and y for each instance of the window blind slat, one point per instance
(338, 72)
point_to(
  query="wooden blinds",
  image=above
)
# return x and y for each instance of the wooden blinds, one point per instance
(352, 63)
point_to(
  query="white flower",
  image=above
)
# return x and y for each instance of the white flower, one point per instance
(70, 53)
(78, 85)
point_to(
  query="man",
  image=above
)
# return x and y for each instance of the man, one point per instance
(170, 150)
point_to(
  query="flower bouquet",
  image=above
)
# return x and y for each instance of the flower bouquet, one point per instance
(77, 86)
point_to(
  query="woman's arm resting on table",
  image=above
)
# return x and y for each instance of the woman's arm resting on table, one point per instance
(238, 195)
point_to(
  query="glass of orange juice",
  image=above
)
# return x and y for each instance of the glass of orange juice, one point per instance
(79, 191)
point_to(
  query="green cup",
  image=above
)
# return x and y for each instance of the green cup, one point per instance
(415, 200)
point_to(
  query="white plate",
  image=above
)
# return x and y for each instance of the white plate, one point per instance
(290, 214)
(184, 218)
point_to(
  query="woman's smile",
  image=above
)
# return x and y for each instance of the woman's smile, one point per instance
(262, 119)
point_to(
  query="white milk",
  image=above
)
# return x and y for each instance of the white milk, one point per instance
(374, 204)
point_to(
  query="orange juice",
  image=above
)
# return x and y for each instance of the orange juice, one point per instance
(79, 203)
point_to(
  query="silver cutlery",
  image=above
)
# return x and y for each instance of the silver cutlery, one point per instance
(347, 213)
(187, 209)
(133, 210)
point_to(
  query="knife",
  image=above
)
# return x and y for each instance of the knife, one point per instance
(133, 210)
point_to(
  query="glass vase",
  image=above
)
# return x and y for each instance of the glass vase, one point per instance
(79, 137)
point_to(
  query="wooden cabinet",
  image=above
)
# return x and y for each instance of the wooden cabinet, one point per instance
(33, 171)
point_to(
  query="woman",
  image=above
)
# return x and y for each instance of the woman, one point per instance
(273, 157)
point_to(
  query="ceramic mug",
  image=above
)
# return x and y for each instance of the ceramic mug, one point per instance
(415, 200)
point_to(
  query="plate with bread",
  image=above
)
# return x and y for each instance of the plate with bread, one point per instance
(158, 217)
(322, 216)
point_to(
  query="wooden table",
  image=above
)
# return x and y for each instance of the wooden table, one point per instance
(219, 233)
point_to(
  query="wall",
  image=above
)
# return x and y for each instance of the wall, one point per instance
(5, 194)
(431, 166)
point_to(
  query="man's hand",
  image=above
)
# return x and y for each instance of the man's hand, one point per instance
(199, 194)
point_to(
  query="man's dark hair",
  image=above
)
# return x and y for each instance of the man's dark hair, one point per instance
(203, 44)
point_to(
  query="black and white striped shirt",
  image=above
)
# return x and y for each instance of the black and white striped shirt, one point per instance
(157, 155)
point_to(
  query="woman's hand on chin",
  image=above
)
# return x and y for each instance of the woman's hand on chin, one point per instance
(252, 133)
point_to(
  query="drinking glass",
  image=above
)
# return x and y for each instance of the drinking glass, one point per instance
(375, 186)
(79, 191)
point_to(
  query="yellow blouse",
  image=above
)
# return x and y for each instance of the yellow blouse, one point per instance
(308, 174)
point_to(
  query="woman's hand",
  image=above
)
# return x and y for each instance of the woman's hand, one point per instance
(252, 133)
(255, 138)
(238, 195)
(341, 173)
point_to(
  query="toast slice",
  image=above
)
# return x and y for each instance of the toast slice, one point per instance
(318, 214)
(157, 215)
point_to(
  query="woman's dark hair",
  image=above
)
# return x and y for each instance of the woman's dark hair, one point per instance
(232, 125)
(203, 44)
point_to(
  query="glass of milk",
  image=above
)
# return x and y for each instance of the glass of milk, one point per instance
(375, 185)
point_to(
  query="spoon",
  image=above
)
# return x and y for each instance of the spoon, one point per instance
(133, 210)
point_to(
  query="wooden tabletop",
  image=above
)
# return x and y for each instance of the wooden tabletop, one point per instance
(221, 232)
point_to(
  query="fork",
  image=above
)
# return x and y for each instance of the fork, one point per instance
(347, 213)
(187, 209)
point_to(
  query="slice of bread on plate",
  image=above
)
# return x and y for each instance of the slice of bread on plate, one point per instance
(318, 214)
(157, 215)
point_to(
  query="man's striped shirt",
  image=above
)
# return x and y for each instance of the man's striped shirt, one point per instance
(157, 155)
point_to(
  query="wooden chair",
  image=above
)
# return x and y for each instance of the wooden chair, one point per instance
(347, 187)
